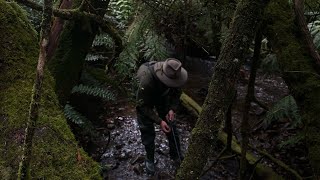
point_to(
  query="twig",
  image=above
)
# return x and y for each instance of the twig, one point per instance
(278, 162)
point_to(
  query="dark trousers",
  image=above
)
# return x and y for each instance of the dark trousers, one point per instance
(147, 131)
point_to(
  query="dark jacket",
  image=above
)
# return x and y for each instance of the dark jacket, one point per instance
(152, 93)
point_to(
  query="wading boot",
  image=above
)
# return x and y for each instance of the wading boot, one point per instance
(150, 167)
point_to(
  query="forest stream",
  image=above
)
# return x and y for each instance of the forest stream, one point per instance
(124, 156)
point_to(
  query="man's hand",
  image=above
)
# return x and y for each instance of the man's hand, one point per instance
(171, 115)
(164, 126)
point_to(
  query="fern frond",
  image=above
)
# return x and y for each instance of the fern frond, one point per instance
(121, 9)
(94, 57)
(94, 91)
(285, 108)
(74, 115)
(78, 119)
(154, 47)
(103, 40)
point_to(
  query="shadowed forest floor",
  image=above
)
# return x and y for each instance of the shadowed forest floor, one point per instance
(124, 157)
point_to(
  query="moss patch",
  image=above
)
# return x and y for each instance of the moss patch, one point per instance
(56, 154)
(298, 72)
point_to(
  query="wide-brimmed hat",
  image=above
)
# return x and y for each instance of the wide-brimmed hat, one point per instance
(171, 73)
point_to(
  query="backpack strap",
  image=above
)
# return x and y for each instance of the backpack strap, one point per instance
(150, 66)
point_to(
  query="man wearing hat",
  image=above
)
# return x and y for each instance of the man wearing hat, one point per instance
(159, 84)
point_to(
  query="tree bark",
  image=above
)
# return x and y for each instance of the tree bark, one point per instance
(245, 126)
(73, 45)
(299, 11)
(24, 168)
(74, 42)
(298, 72)
(221, 88)
(261, 170)
(54, 146)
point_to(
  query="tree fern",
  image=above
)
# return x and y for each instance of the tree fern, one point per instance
(94, 91)
(285, 108)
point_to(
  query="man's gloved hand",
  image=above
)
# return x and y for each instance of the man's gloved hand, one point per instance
(171, 115)
(165, 127)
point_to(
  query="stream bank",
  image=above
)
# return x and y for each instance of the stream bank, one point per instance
(123, 158)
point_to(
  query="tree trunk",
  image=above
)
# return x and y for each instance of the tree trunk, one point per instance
(24, 168)
(54, 146)
(221, 89)
(261, 170)
(298, 72)
(245, 126)
(73, 45)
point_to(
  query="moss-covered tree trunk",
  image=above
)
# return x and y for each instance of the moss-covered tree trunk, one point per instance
(298, 72)
(221, 89)
(54, 147)
(24, 167)
(73, 45)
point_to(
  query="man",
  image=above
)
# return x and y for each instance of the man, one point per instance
(159, 84)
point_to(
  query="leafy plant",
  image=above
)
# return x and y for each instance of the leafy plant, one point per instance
(285, 108)
(94, 57)
(94, 91)
(103, 40)
(122, 10)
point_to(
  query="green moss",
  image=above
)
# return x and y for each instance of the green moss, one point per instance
(298, 72)
(67, 63)
(55, 150)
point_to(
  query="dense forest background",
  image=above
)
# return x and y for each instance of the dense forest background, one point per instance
(66, 65)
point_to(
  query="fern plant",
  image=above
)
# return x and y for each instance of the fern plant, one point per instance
(143, 44)
(122, 10)
(103, 40)
(78, 119)
(94, 91)
(285, 108)
(95, 57)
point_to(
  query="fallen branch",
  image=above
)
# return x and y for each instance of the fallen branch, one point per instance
(278, 162)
